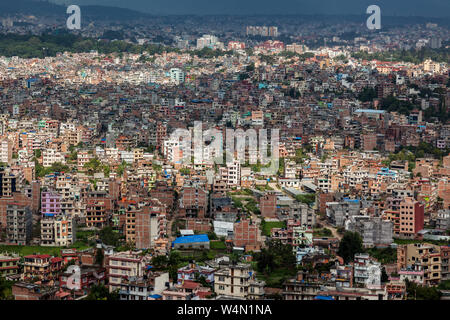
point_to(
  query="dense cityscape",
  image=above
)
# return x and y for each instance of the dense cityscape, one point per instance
(132, 163)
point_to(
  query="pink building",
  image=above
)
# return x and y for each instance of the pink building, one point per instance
(50, 203)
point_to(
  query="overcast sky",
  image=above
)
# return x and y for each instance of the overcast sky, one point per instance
(429, 8)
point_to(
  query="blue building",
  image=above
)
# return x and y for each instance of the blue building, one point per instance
(199, 241)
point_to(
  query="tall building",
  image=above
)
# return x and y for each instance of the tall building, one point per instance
(57, 231)
(145, 224)
(122, 265)
(411, 217)
(268, 205)
(6, 150)
(50, 203)
(18, 224)
(238, 282)
(176, 75)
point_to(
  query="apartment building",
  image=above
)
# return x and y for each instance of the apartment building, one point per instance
(9, 264)
(141, 288)
(194, 202)
(145, 224)
(411, 217)
(302, 287)
(374, 231)
(422, 257)
(57, 231)
(19, 224)
(9, 182)
(6, 150)
(246, 233)
(96, 214)
(51, 156)
(366, 272)
(238, 282)
(41, 266)
(50, 203)
(123, 265)
(268, 205)
(338, 212)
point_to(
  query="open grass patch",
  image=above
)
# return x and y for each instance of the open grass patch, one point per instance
(268, 225)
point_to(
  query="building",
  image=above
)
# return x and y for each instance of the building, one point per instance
(123, 265)
(9, 264)
(421, 257)
(176, 75)
(200, 241)
(366, 272)
(411, 217)
(302, 287)
(57, 231)
(374, 231)
(89, 276)
(50, 203)
(6, 151)
(145, 224)
(268, 205)
(246, 233)
(238, 282)
(141, 288)
(19, 224)
(30, 291)
(339, 212)
(194, 202)
(41, 266)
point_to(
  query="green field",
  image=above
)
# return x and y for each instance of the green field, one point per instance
(268, 225)
(28, 250)
(217, 245)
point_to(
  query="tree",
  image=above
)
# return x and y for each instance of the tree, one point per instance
(99, 256)
(160, 262)
(100, 292)
(109, 237)
(418, 292)
(384, 276)
(350, 244)
(5, 289)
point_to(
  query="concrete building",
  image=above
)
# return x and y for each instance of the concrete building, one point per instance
(238, 282)
(9, 264)
(57, 231)
(121, 266)
(200, 241)
(374, 230)
(141, 288)
(339, 212)
(422, 257)
(19, 224)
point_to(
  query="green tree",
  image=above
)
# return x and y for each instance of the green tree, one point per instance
(350, 244)
(100, 292)
(109, 237)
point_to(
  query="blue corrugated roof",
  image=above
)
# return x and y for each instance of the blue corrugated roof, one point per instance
(190, 239)
(323, 298)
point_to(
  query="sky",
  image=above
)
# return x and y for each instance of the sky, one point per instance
(427, 8)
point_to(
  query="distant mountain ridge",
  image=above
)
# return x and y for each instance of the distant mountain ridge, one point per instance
(45, 8)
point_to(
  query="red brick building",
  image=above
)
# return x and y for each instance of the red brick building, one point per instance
(268, 205)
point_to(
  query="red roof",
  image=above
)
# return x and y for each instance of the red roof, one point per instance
(38, 256)
(56, 259)
(188, 284)
(203, 294)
